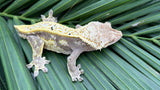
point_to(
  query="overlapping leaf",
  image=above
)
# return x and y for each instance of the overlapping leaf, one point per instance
(12, 59)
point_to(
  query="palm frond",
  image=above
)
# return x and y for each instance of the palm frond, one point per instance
(131, 63)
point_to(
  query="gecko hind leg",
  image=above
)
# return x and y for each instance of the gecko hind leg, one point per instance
(38, 61)
(74, 70)
(49, 18)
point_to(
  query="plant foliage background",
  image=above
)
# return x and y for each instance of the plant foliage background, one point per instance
(131, 63)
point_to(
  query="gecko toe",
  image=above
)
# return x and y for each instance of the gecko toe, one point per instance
(79, 66)
(36, 72)
(44, 69)
(29, 65)
(47, 61)
(74, 79)
(80, 79)
(82, 71)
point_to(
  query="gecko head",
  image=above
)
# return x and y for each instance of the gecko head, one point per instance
(105, 34)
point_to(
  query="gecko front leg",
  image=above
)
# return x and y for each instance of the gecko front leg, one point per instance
(72, 68)
(38, 61)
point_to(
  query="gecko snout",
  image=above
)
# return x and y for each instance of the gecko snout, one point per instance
(119, 34)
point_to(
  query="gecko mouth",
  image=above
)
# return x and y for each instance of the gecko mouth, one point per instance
(109, 43)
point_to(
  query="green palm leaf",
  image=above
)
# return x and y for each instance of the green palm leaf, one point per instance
(131, 63)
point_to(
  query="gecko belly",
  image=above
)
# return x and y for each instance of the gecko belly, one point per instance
(52, 46)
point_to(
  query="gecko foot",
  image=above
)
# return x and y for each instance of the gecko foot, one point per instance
(39, 63)
(75, 74)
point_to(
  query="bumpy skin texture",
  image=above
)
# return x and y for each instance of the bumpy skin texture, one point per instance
(62, 39)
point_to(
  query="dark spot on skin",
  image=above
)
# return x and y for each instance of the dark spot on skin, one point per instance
(69, 33)
(51, 28)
